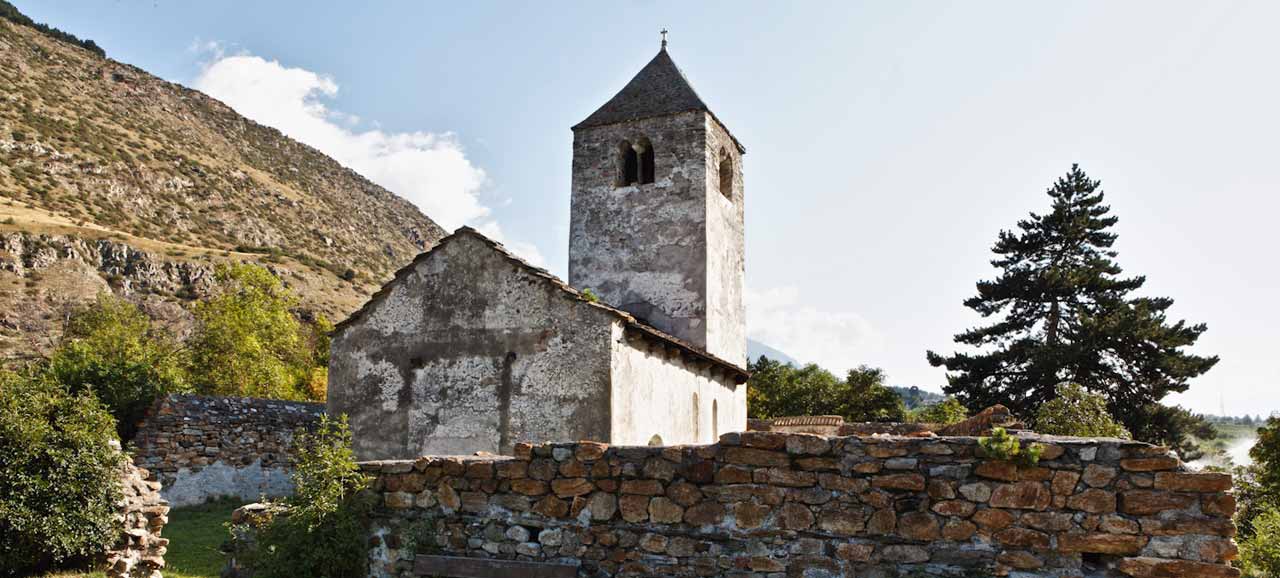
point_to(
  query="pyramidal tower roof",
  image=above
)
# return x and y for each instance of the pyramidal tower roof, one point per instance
(660, 88)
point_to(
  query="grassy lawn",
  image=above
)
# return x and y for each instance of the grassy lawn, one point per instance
(194, 534)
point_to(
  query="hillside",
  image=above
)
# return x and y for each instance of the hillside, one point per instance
(111, 178)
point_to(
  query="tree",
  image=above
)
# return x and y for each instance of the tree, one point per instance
(112, 349)
(248, 342)
(945, 412)
(781, 389)
(1064, 313)
(1077, 412)
(59, 474)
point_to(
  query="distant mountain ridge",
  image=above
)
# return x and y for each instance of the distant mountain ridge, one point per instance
(113, 179)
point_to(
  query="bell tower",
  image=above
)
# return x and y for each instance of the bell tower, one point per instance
(657, 211)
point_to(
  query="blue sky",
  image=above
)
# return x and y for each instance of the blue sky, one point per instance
(887, 142)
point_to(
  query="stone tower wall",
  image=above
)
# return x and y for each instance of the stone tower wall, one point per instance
(773, 505)
(643, 248)
(726, 250)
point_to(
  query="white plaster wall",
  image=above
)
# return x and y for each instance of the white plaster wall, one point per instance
(653, 393)
(247, 482)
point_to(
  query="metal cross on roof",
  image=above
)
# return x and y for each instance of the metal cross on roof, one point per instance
(664, 38)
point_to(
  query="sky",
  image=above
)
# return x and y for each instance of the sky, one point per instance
(888, 143)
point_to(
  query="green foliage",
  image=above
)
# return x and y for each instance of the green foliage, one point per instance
(590, 295)
(1064, 313)
(915, 398)
(321, 530)
(1002, 446)
(10, 12)
(1257, 486)
(247, 342)
(58, 474)
(1265, 454)
(781, 389)
(112, 349)
(1174, 427)
(1077, 412)
(1260, 553)
(945, 412)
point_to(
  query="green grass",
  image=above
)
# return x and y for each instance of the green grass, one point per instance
(194, 534)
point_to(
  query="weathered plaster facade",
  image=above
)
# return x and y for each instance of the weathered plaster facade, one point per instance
(469, 349)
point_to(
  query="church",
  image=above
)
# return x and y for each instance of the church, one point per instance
(470, 349)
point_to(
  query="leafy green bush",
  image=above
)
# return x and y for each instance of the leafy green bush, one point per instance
(59, 474)
(1002, 446)
(247, 341)
(1260, 553)
(1077, 412)
(320, 531)
(112, 349)
(945, 412)
(781, 389)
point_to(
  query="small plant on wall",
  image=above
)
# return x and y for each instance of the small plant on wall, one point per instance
(1002, 446)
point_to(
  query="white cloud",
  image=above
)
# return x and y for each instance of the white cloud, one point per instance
(835, 340)
(430, 170)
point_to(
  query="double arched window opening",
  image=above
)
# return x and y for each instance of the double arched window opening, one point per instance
(635, 162)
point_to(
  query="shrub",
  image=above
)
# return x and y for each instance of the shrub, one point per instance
(59, 474)
(1260, 553)
(320, 531)
(247, 341)
(1077, 412)
(945, 412)
(112, 349)
(1002, 446)
(781, 389)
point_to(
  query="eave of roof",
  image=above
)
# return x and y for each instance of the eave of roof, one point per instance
(629, 321)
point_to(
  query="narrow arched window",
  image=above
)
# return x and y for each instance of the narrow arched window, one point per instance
(628, 164)
(726, 174)
(715, 421)
(646, 161)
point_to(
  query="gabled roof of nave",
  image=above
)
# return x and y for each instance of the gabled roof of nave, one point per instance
(628, 320)
(660, 88)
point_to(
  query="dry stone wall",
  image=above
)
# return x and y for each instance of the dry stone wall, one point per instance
(202, 447)
(142, 514)
(775, 505)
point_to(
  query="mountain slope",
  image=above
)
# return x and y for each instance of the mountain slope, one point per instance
(113, 178)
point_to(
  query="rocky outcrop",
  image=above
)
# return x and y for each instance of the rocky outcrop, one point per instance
(770, 504)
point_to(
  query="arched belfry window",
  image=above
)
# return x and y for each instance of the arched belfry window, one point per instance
(628, 164)
(726, 174)
(646, 161)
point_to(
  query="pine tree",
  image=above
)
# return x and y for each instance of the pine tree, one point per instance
(1063, 312)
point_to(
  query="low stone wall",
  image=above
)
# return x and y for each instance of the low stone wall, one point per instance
(774, 505)
(203, 447)
(139, 553)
